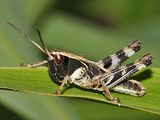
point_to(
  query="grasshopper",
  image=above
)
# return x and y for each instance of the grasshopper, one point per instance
(104, 75)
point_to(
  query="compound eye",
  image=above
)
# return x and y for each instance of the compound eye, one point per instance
(58, 58)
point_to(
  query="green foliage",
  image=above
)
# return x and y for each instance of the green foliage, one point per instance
(37, 80)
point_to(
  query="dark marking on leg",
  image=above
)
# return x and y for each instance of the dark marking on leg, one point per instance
(129, 70)
(131, 87)
(135, 45)
(130, 67)
(146, 59)
(107, 62)
(120, 56)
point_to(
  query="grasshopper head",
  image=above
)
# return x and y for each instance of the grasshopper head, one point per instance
(57, 57)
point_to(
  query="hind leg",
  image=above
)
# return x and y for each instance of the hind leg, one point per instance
(120, 56)
(119, 75)
(131, 87)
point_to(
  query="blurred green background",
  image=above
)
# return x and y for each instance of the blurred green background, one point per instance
(92, 28)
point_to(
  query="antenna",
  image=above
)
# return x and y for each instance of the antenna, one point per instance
(28, 38)
(45, 48)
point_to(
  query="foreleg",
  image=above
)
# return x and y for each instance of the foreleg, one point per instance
(34, 65)
(64, 82)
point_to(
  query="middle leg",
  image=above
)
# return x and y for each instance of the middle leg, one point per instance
(108, 95)
(63, 83)
(101, 86)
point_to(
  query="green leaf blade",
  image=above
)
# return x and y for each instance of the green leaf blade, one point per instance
(37, 80)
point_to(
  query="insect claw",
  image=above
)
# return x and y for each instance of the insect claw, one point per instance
(116, 101)
(58, 92)
(23, 64)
